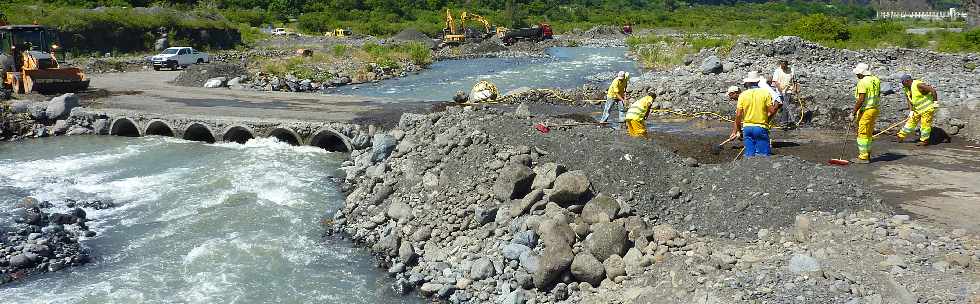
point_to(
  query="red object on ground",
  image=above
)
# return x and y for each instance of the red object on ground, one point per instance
(542, 128)
(839, 162)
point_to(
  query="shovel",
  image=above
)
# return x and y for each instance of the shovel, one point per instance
(843, 150)
(717, 148)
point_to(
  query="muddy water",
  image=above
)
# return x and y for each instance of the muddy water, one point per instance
(565, 68)
(196, 223)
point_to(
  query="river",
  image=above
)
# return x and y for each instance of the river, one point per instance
(566, 67)
(195, 223)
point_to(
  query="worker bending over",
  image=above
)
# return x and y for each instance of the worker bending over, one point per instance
(636, 116)
(755, 106)
(868, 94)
(616, 95)
(923, 101)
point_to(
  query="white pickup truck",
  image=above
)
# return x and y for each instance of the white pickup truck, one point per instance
(178, 57)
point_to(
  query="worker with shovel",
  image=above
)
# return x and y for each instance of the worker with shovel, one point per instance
(923, 101)
(755, 106)
(616, 96)
(868, 94)
(636, 116)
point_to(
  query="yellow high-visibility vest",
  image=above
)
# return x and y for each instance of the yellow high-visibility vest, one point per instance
(921, 103)
(871, 85)
(638, 109)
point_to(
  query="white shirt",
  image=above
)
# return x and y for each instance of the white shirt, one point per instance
(784, 79)
(776, 97)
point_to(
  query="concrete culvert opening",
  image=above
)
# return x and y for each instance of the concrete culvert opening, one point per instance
(199, 132)
(124, 127)
(159, 128)
(286, 136)
(238, 134)
(330, 141)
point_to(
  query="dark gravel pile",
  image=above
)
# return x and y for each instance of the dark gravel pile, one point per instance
(44, 238)
(196, 75)
(413, 35)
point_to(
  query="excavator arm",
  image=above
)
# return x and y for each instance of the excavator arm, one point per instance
(477, 18)
(450, 23)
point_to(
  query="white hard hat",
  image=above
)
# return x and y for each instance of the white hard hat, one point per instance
(622, 74)
(753, 77)
(862, 69)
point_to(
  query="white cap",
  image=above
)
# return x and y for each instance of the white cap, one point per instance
(753, 77)
(733, 89)
(622, 74)
(862, 69)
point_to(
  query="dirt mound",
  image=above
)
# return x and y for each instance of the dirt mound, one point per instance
(603, 31)
(197, 75)
(413, 35)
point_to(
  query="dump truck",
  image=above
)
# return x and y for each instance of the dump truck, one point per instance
(29, 62)
(537, 33)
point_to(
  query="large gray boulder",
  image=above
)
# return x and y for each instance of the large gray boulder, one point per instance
(546, 174)
(399, 210)
(553, 262)
(600, 209)
(216, 82)
(711, 65)
(59, 107)
(556, 233)
(607, 239)
(615, 267)
(586, 268)
(570, 187)
(381, 146)
(482, 269)
(514, 182)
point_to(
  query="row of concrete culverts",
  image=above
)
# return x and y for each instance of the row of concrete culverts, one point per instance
(327, 139)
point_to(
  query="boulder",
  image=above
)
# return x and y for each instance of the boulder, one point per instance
(523, 111)
(382, 145)
(634, 261)
(59, 107)
(586, 268)
(406, 253)
(514, 182)
(60, 127)
(615, 267)
(527, 238)
(600, 209)
(482, 269)
(22, 260)
(399, 211)
(664, 233)
(216, 82)
(554, 261)
(801, 263)
(514, 251)
(607, 239)
(545, 175)
(556, 233)
(711, 65)
(522, 206)
(570, 187)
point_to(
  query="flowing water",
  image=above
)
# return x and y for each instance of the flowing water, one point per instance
(565, 68)
(195, 223)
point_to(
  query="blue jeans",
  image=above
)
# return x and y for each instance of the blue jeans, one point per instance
(756, 141)
(608, 106)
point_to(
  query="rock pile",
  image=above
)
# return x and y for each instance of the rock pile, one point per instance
(474, 206)
(43, 240)
(61, 115)
(199, 75)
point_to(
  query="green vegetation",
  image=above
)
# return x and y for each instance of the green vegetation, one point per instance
(389, 56)
(836, 23)
(662, 52)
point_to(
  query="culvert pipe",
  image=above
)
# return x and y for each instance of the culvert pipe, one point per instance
(124, 127)
(199, 132)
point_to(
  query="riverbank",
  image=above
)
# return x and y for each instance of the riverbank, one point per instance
(475, 205)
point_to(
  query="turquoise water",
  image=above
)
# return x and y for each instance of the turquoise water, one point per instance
(195, 223)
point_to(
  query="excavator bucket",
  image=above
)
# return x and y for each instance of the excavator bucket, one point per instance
(59, 80)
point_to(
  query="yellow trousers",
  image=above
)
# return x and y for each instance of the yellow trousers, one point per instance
(865, 132)
(924, 120)
(636, 128)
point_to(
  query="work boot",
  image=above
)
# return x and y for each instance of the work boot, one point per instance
(922, 143)
(861, 161)
(898, 139)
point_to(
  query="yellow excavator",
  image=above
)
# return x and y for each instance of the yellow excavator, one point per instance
(340, 33)
(458, 35)
(28, 61)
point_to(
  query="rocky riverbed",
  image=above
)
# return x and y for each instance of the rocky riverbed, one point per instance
(474, 206)
(62, 115)
(43, 237)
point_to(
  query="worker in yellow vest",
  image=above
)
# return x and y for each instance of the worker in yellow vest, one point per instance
(755, 107)
(868, 95)
(636, 116)
(616, 96)
(923, 102)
